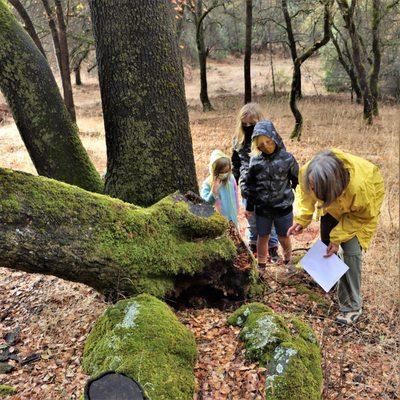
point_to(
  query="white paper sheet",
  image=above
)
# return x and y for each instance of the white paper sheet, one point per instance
(325, 271)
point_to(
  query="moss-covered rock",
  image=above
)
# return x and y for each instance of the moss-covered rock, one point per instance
(142, 338)
(6, 390)
(286, 346)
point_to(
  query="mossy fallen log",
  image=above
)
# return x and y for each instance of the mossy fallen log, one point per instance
(169, 249)
(142, 338)
(286, 346)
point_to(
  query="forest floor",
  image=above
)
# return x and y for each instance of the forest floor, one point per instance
(360, 362)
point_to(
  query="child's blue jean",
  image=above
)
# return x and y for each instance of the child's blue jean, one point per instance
(252, 233)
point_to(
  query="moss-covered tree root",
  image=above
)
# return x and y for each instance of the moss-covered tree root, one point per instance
(288, 349)
(50, 135)
(142, 338)
(173, 246)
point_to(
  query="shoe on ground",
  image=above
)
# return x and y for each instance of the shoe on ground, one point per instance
(273, 254)
(348, 318)
(291, 268)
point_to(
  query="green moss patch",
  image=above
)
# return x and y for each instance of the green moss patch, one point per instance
(6, 390)
(286, 346)
(142, 338)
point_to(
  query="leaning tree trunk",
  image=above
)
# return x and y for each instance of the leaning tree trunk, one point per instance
(348, 67)
(247, 53)
(174, 248)
(293, 48)
(149, 147)
(59, 49)
(28, 24)
(296, 133)
(65, 67)
(46, 128)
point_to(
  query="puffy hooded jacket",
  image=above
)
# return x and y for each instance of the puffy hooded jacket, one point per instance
(241, 156)
(271, 178)
(227, 201)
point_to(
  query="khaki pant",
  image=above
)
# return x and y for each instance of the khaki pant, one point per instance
(349, 285)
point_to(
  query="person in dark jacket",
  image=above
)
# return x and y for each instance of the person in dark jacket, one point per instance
(268, 187)
(247, 118)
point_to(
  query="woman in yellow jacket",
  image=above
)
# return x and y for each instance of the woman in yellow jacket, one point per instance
(348, 192)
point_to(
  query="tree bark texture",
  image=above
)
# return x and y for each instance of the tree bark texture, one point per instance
(171, 249)
(347, 12)
(53, 30)
(376, 50)
(292, 47)
(65, 65)
(28, 24)
(59, 49)
(247, 52)
(271, 61)
(50, 136)
(149, 147)
(203, 54)
(349, 68)
(296, 133)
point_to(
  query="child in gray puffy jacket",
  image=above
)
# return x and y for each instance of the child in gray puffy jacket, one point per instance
(268, 187)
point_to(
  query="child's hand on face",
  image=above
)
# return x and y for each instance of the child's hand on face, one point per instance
(215, 186)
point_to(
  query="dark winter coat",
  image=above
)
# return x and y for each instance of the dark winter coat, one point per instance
(241, 157)
(271, 178)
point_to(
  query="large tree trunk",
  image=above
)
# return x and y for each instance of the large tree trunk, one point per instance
(172, 249)
(202, 53)
(149, 147)
(376, 49)
(293, 49)
(46, 128)
(247, 52)
(28, 24)
(296, 133)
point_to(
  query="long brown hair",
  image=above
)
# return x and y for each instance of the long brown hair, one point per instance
(248, 110)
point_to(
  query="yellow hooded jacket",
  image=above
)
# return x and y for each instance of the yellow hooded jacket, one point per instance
(357, 209)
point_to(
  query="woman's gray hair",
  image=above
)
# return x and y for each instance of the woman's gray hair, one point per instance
(327, 177)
